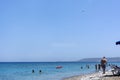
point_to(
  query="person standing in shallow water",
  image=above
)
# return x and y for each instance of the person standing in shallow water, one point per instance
(103, 64)
(99, 67)
(96, 68)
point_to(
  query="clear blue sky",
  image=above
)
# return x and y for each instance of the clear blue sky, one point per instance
(58, 30)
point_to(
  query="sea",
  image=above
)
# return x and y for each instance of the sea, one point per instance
(24, 70)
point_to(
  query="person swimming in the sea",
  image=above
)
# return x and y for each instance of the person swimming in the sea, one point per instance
(33, 71)
(40, 71)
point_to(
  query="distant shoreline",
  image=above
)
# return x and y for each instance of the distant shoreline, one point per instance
(110, 59)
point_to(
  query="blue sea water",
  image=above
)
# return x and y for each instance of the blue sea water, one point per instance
(23, 70)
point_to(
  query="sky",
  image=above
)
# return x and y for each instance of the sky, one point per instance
(58, 30)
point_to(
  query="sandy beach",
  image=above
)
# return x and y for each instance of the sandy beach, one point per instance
(95, 76)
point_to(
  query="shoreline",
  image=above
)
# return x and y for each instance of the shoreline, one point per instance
(83, 76)
(94, 76)
(79, 75)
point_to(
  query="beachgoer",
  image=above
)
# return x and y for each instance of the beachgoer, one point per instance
(40, 71)
(99, 67)
(103, 64)
(33, 71)
(96, 68)
(81, 67)
(88, 66)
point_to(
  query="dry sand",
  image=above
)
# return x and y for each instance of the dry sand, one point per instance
(95, 76)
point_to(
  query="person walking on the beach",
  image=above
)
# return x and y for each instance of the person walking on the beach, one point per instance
(103, 64)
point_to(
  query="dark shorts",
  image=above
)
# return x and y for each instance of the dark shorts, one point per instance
(103, 66)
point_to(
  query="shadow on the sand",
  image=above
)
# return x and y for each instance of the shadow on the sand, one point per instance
(112, 76)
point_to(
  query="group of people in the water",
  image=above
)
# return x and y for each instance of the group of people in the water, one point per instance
(97, 67)
(87, 66)
(33, 71)
(101, 66)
